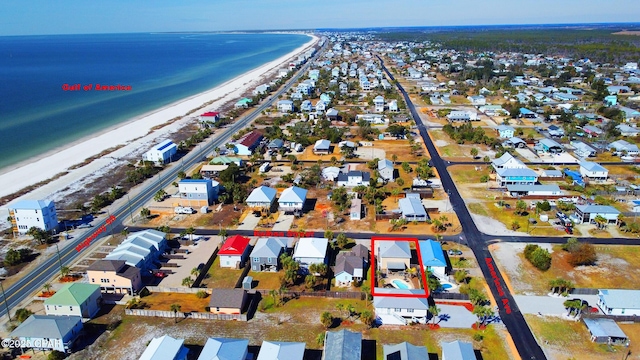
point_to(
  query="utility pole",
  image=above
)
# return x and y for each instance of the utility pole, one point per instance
(4, 297)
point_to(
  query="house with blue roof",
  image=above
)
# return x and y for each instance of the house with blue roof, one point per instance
(457, 350)
(25, 214)
(165, 347)
(224, 349)
(505, 131)
(262, 197)
(292, 199)
(526, 113)
(161, 153)
(274, 350)
(433, 258)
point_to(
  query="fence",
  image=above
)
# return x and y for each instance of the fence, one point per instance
(192, 315)
(450, 296)
(328, 294)
(388, 216)
(617, 318)
(184, 290)
(583, 291)
(205, 268)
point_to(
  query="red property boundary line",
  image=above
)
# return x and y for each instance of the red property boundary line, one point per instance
(374, 265)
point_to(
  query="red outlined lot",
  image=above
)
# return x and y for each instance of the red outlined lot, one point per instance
(373, 266)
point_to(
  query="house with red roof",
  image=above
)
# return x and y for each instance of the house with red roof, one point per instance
(234, 252)
(210, 117)
(248, 143)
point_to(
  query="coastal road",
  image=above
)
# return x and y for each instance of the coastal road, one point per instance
(511, 316)
(127, 206)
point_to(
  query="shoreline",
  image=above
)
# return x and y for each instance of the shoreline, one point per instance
(47, 165)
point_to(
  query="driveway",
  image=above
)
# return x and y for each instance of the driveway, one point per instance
(454, 316)
(284, 222)
(250, 222)
(199, 253)
(549, 305)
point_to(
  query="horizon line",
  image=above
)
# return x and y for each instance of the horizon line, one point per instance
(524, 25)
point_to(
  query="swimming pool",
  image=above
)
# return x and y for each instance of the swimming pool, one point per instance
(446, 286)
(400, 284)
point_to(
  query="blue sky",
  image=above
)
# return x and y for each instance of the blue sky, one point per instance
(115, 16)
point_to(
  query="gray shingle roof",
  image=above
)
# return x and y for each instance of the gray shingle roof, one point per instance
(268, 247)
(227, 298)
(342, 345)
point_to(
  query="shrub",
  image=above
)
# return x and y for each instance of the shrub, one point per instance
(583, 254)
(538, 257)
(484, 178)
(478, 337)
(144, 292)
(201, 294)
(56, 355)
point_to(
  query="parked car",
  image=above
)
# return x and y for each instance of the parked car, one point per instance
(160, 274)
(568, 230)
(454, 252)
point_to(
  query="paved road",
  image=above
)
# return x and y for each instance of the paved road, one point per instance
(509, 313)
(127, 206)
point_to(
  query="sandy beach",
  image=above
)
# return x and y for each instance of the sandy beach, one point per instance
(134, 135)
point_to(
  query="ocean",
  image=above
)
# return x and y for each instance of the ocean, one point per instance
(46, 101)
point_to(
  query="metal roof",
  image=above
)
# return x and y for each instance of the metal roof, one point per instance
(311, 248)
(262, 194)
(519, 188)
(620, 299)
(274, 350)
(46, 326)
(405, 351)
(394, 249)
(381, 301)
(592, 166)
(604, 328)
(458, 350)
(431, 253)
(224, 349)
(412, 207)
(599, 209)
(31, 204)
(164, 347)
(74, 294)
(293, 194)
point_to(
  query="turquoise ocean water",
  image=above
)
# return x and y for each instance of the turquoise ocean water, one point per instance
(37, 115)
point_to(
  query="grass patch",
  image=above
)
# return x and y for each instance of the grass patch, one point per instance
(572, 338)
(188, 302)
(218, 277)
(266, 280)
(467, 174)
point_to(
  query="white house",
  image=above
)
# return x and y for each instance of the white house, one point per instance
(393, 105)
(583, 150)
(165, 347)
(162, 153)
(378, 103)
(234, 252)
(356, 209)
(593, 171)
(201, 192)
(477, 100)
(261, 89)
(374, 119)
(385, 168)
(285, 106)
(292, 199)
(322, 146)
(619, 301)
(210, 117)
(400, 310)
(412, 208)
(626, 130)
(458, 115)
(353, 178)
(506, 131)
(51, 332)
(523, 176)
(26, 214)
(507, 161)
(248, 143)
(262, 197)
(311, 251)
(623, 146)
(588, 213)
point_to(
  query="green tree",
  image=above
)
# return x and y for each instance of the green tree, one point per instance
(22, 314)
(406, 167)
(39, 235)
(145, 212)
(46, 287)
(521, 207)
(310, 281)
(435, 311)
(160, 195)
(320, 339)
(460, 276)
(326, 319)
(474, 152)
(367, 318)
(433, 283)
(175, 308)
(65, 270)
(190, 231)
(182, 174)
(477, 297)
(483, 313)
(342, 241)
(56, 355)
(329, 235)
(188, 281)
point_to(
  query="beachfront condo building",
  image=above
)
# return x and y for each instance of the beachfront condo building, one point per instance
(26, 214)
